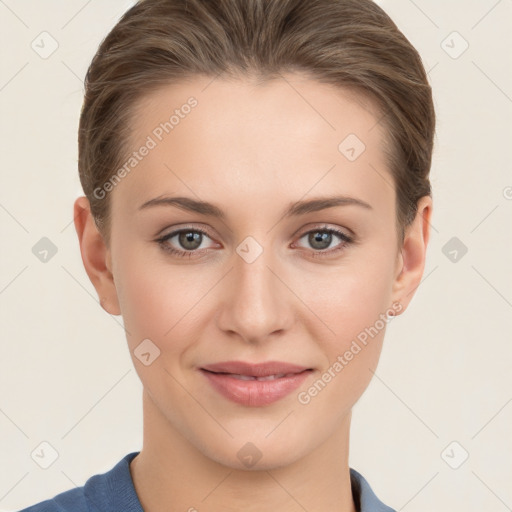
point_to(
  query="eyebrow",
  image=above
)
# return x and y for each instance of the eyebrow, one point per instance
(294, 209)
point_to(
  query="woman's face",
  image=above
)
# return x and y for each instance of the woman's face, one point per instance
(257, 276)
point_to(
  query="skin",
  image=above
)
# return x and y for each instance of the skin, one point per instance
(252, 149)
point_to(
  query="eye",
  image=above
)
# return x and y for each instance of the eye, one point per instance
(188, 240)
(322, 238)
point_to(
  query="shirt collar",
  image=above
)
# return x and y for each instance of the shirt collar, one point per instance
(364, 497)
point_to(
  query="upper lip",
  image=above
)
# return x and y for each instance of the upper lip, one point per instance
(255, 370)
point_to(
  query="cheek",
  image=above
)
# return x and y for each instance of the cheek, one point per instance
(354, 309)
(158, 301)
(350, 298)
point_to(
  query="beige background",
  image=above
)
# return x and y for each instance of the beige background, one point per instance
(445, 374)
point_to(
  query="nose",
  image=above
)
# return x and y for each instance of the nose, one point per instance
(255, 302)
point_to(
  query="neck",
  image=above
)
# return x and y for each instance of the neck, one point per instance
(170, 473)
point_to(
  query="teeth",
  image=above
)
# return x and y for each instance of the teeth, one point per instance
(250, 377)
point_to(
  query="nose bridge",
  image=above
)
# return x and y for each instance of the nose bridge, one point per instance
(256, 303)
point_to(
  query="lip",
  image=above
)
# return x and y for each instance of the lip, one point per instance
(251, 392)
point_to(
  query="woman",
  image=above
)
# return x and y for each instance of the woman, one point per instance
(257, 208)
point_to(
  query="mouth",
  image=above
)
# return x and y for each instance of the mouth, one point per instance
(255, 385)
(253, 377)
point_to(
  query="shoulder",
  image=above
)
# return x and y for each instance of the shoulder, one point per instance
(72, 500)
(103, 491)
(364, 496)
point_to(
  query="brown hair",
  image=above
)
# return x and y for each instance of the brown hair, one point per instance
(352, 44)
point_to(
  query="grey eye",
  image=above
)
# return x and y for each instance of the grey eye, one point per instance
(320, 239)
(190, 240)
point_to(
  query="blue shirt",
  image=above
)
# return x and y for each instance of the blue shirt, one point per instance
(114, 491)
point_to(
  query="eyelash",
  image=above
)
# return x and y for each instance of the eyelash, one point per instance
(346, 240)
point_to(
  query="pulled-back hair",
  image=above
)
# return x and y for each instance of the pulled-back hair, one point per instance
(352, 44)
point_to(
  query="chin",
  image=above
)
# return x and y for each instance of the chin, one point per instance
(256, 454)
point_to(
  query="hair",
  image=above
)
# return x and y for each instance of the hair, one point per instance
(351, 44)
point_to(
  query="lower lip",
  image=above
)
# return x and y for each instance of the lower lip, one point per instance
(255, 393)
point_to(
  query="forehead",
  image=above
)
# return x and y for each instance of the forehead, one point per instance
(289, 134)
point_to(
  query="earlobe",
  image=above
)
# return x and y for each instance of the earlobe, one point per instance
(95, 256)
(411, 260)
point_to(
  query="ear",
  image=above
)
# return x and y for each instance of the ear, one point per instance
(411, 260)
(95, 256)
